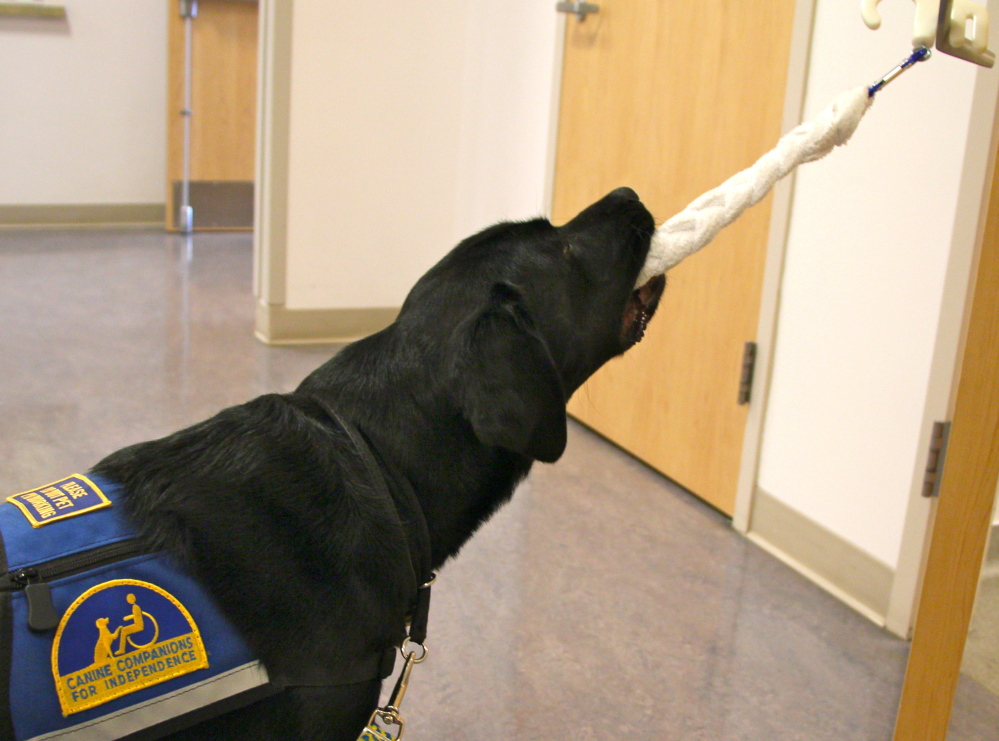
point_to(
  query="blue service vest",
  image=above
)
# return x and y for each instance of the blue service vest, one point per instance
(124, 646)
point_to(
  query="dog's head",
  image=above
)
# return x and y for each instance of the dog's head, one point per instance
(528, 311)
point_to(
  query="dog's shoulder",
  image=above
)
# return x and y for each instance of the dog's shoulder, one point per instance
(271, 507)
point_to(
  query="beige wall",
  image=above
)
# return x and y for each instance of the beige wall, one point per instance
(876, 264)
(409, 126)
(83, 105)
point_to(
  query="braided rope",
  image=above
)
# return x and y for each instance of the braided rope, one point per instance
(700, 222)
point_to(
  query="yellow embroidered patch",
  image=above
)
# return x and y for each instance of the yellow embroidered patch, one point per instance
(68, 497)
(119, 637)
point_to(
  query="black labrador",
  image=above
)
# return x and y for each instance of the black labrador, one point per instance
(269, 504)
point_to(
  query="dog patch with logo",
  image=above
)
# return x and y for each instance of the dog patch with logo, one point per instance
(136, 644)
(119, 637)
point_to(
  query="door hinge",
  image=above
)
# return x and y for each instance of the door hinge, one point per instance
(748, 366)
(935, 460)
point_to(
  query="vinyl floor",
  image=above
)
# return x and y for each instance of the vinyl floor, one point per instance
(602, 603)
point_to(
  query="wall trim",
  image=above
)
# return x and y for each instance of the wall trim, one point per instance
(83, 214)
(24, 9)
(841, 568)
(555, 114)
(278, 325)
(773, 272)
(273, 137)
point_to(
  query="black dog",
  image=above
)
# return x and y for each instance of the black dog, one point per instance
(271, 506)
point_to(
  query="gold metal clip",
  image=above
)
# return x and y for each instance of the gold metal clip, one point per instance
(386, 723)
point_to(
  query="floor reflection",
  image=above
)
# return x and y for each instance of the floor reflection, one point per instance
(111, 337)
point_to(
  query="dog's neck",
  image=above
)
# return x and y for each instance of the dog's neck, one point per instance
(421, 431)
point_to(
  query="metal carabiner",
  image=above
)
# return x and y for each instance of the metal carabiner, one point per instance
(389, 717)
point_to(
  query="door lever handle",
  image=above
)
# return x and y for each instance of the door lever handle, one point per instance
(578, 7)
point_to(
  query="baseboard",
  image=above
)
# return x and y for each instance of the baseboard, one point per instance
(277, 325)
(836, 565)
(83, 214)
(25, 9)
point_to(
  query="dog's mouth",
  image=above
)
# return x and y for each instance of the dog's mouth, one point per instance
(640, 309)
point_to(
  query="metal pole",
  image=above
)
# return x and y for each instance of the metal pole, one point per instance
(188, 11)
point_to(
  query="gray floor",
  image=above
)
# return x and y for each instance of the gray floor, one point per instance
(602, 603)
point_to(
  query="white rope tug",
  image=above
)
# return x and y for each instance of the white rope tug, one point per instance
(699, 223)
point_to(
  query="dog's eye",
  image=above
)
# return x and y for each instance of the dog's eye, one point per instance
(567, 251)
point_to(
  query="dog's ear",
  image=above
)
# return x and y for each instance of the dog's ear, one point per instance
(513, 393)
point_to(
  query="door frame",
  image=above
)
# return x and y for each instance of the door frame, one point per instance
(558, 65)
(972, 208)
(773, 274)
(962, 517)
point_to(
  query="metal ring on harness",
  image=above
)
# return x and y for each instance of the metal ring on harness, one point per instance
(407, 654)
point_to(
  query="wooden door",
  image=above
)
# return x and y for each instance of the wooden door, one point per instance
(223, 124)
(671, 98)
(964, 510)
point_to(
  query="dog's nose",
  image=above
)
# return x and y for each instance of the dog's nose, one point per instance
(626, 193)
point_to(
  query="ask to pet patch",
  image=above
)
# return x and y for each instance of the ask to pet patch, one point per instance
(119, 637)
(68, 497)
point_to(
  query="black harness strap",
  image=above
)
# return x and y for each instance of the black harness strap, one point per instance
(411, 519)
(373, 666)
(410, 513)
(410, 504)
(415, 526)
